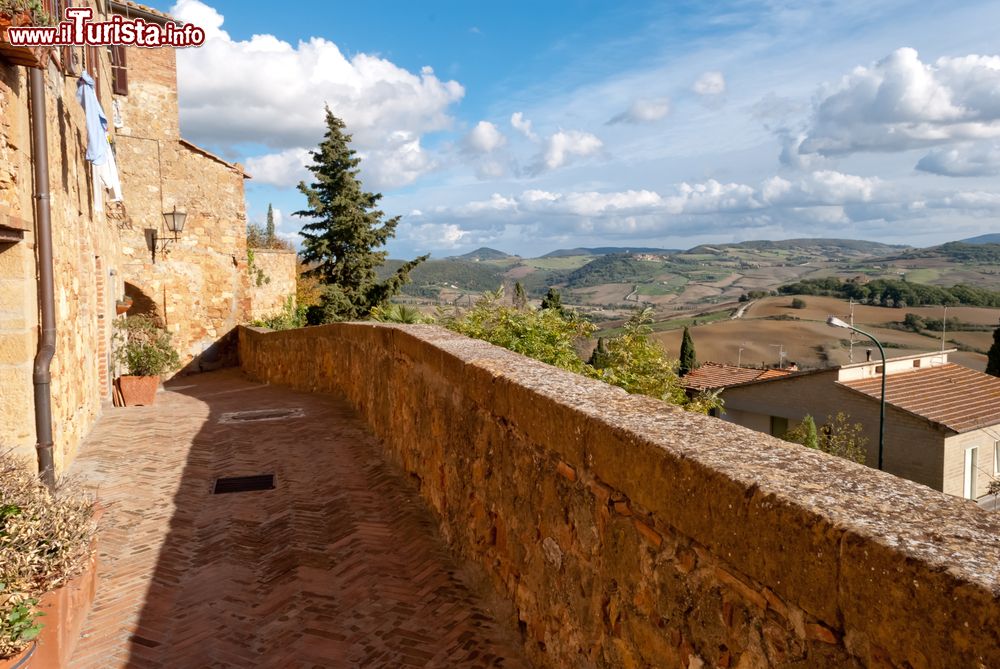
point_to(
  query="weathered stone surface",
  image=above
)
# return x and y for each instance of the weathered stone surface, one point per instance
(275, 283)
(769, 554)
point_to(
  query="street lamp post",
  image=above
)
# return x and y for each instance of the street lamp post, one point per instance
(832, 321)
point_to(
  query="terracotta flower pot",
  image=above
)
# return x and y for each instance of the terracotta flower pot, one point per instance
(138, 390)
(65, 610)
(20, 661)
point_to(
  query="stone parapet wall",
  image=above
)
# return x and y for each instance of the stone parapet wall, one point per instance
(272, 281)
(628, 533)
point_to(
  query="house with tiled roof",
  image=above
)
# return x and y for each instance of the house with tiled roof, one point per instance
(942, 420)
(716, 375)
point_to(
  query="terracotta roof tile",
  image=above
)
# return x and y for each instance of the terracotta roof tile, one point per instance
(713, 375)
(951, 395)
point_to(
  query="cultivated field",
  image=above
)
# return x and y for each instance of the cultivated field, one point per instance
(810, 342)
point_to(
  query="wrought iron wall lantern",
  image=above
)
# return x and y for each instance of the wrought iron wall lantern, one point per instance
(173, 221)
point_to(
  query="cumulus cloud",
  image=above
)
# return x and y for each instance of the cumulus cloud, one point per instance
(268, 91)
(643, 110)
(901, 103)
(484, 138)
(710, 83)
(522, 125)
(433, 235)
(565, 146)
(285, 168)
(976, 160)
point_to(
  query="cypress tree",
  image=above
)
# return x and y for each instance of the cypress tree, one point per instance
(993, 355)
(270, 226)
(552, 300)
(520, 297)
(599, 358)
(809, 436)
(689, 360)
(344, 230)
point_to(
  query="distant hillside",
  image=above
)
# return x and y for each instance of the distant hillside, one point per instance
(960, 252)
(482, 254)
(618, 268)
(807, 244)
(993, 238)
(606, 250)
(430, 276)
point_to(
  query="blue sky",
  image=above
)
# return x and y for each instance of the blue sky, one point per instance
(533, 126)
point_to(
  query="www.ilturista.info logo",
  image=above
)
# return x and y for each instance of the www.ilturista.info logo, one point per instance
(78, 30)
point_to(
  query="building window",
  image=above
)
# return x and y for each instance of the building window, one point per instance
(916, 363)
(779, 426)
(971, 473)
(119, 71)
(996, 458)
(878, 369)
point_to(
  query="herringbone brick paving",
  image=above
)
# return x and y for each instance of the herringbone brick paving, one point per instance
(340, 566)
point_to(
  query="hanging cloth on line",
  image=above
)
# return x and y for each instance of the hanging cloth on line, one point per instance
(99, 153)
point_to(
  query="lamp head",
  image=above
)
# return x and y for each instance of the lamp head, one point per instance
(835, 322)
(175, 220)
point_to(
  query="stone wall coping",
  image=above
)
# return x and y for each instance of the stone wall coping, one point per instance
(915, 522)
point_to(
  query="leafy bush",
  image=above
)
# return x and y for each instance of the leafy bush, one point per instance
(631, 360)
(290, 317)
(544, 334)
(45, 540)
(798, 303)
(838, 436)
(143, 347)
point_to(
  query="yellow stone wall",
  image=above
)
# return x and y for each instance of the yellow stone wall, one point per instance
(199, 287)
(629, 533)
(272, 281)
(86, 250)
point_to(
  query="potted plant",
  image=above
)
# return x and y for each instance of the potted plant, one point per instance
(145, 351)
(47, 567)
(14, 13)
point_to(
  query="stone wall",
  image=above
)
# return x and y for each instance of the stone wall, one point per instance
(86, 249)
(272, 281)
(628, 533)
(199, 284)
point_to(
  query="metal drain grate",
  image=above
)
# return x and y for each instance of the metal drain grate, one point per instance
(260, 414)
(243, 484)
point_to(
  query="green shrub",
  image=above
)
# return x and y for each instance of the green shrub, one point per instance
(45, 540)
(143, 348)
(290, 317)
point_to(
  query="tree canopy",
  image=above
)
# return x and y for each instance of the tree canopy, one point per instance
(344, 230)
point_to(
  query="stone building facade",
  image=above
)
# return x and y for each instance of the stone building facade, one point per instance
(197, 285)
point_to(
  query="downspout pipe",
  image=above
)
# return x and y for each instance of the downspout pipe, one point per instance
(42, 374)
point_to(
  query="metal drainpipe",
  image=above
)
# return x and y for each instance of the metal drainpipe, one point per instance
(42, 375)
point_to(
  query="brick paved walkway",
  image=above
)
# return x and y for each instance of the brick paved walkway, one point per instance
(340, 566)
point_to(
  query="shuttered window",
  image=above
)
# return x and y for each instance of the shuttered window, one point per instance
(119, 71)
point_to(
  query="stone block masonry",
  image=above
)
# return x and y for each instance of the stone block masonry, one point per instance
(272, 281)
(628, 533)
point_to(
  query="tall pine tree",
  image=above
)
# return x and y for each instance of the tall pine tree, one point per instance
(552, 300)
(346, 227)
(689, 360)
(993, 355)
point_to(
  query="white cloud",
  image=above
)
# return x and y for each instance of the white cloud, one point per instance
(566, 145)
(484, 138)
(643, 110)
(710, 83)
(434, 235)
(901, 103)
(976, 160)
(399, 160)
(285, 168)
(265, 90)
(522, 125)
